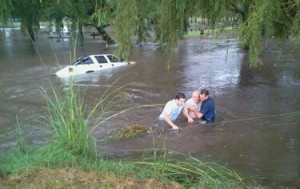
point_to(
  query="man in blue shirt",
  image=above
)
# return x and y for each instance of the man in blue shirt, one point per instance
(207, 111)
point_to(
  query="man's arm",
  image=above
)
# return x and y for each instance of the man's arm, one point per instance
(169, 121)
(197, 113)
(186, 114)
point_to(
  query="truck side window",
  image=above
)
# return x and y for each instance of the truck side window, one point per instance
(113, 58)
(101, 59)
(87, 60)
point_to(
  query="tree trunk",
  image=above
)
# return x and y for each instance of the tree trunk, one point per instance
(104, 35)
(80, 34)
(31, 33)
(30, 29)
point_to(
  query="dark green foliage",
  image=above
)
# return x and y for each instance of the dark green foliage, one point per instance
(29, 12)
(5, 10)
(168, 19)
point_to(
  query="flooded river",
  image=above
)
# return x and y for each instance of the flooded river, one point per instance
(257, 131)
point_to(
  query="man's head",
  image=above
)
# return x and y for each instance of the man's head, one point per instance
(204, 94)
(180, 99)
(196, 97)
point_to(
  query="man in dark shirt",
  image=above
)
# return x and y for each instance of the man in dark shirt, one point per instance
(207, 111)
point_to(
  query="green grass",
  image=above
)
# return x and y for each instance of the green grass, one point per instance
(218, 33)
(193, 173)
(67, 121)
(21, 141)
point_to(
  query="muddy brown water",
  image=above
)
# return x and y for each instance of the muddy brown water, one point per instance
(258, 124)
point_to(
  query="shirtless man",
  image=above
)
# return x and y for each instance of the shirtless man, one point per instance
(193, 104)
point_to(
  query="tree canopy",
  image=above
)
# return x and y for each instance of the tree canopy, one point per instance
(167, 18)
(5, 10)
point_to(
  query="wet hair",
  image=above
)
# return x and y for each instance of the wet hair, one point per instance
(179, 95)
(204, 91)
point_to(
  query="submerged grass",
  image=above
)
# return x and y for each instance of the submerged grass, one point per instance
(72, 147)
(193, 172)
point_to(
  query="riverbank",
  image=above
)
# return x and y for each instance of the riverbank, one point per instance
(55, 168)
(77, 178)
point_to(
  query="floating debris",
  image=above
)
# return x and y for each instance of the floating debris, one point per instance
(126, 132)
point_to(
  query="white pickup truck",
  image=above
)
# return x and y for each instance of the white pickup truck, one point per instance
(92, 63)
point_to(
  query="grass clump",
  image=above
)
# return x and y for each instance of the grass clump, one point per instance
(195, 173)
(67, 122)
(21, 141)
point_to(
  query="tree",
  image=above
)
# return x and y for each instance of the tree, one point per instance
(278, 18)
(168, 18)
(102, 18)
(5, 10)
(29, 12)
(77, 12)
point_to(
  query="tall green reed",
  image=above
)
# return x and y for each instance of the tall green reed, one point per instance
(67, 120)
(70, 119)
(21, 140)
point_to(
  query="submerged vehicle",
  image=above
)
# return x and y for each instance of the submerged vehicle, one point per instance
(92, 63)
